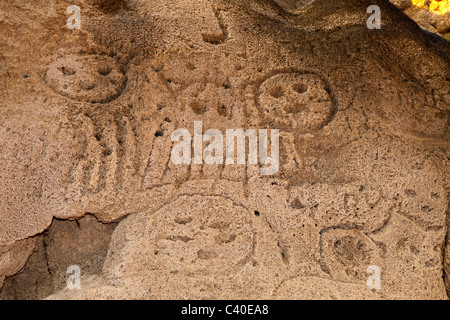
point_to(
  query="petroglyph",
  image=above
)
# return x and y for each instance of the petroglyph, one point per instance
(87, 118)
(189, 236)
(299, 101)
(347, 254)
(88, 78)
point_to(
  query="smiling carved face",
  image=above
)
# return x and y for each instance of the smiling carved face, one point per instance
(87, 78)
(300, 102)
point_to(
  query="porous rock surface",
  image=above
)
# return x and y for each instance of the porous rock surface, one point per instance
(86, 118)
(431, 15)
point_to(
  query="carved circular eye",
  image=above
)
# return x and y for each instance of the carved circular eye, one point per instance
(198, 107)
(276, 92)
(300, 88)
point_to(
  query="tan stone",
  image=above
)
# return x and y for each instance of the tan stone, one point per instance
(426, 16)
(13, 257)
(86, 118)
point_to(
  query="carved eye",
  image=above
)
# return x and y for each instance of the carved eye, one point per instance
(300, 88)
(190, 66)
(222, 110)
(276, 92)
(198, 107)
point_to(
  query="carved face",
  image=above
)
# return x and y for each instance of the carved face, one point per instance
(191, 235)
(91, 78)
(299, 101)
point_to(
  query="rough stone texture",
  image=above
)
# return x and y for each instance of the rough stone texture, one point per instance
(86, 118)
(13, 257)
(81, 243)
(431, 15)
(33, 281)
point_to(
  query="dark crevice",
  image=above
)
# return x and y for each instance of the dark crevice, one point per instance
(44, 244)
(82, 242)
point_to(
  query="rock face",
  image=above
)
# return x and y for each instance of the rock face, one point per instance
(87, 117)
